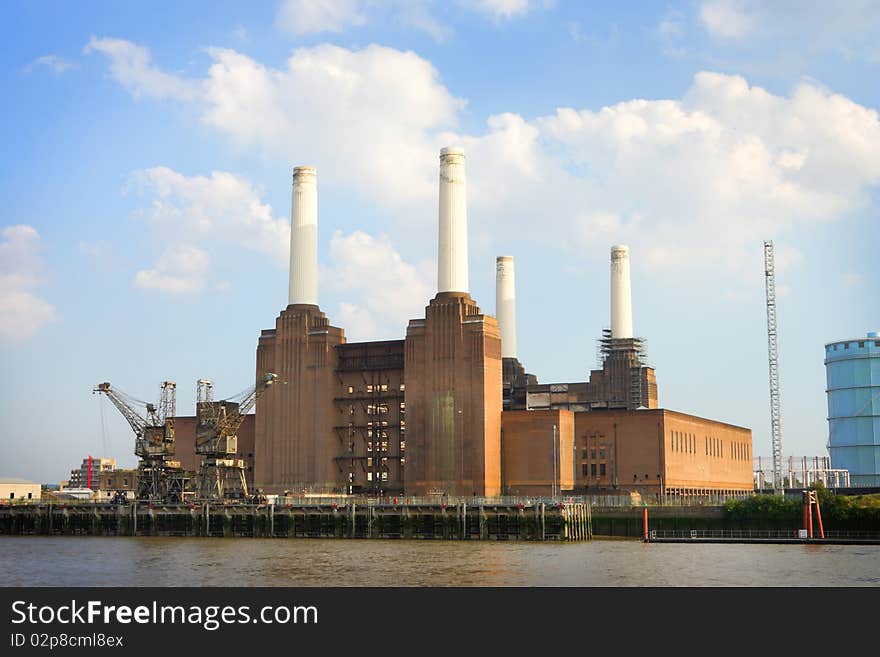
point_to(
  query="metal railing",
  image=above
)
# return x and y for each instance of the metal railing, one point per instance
(756, 533)
(606, 501)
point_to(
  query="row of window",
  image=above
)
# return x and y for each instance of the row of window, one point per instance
(375, 387)
(592, 453)
(377, 409)
(684, 442)
(740, 451)
(861, 345)
(687, 443)
(593, 469)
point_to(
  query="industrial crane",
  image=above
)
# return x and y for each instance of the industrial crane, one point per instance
(160, 478)
(221, 474)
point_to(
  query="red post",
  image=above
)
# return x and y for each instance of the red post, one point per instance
(819, 518)
(89, 475)
(645, 523)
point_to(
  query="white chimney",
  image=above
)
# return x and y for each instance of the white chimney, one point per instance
(505, 304)
(304, 237)
(452, 256)
(621, 293)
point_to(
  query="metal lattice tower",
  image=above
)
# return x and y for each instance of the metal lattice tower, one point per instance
(168, 401)
(773, 360)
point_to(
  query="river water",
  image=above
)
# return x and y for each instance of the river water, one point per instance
(155, 561)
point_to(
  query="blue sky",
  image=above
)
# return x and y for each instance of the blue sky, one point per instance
(146, 166)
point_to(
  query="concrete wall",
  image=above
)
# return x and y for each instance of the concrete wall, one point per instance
(453, 400)
(527, 452)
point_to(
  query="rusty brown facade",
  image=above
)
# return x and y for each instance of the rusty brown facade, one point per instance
(453, 399)
(296, 443)
(423, 416)
(370, 420)
(537, 452)
(661, 453)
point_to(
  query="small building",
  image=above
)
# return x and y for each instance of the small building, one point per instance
(14, 490)
(112, 482)
(87, 473)
(662, 454)
(74, 494)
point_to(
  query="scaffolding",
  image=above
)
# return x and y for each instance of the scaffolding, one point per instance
(616, 354)
(372, 413)
(802, 472)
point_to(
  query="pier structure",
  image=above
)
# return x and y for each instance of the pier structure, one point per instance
(455, 519)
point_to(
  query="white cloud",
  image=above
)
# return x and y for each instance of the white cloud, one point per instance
(382, 291)
(220, 213)
(220, 208)
(695, 182)
(21, 270)
(299, 17)
(131, 66)
(376, 109)
(54, 63)
(501, 8)
(726, 19)
(808, 24)
(671, 27)
(373, 109)
(851, 279)
(102, 256)
(180, 269)
(416, 14)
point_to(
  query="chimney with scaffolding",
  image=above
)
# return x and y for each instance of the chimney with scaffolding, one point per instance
(623, 381)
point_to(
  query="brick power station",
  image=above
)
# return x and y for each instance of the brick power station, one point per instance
(450, 410)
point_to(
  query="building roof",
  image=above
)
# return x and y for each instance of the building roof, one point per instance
(17, 480)
(660, 411)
